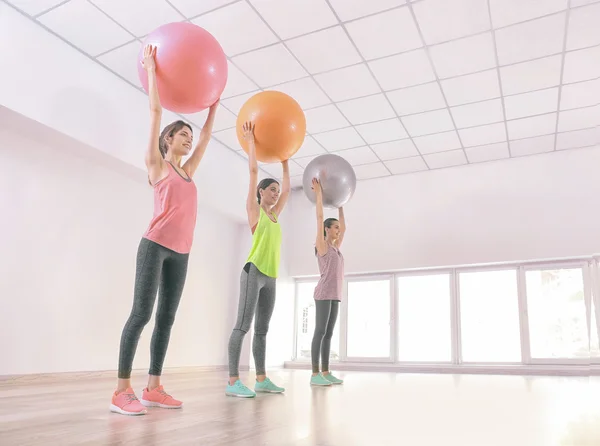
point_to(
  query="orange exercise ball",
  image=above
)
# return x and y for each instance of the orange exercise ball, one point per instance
(279, 126)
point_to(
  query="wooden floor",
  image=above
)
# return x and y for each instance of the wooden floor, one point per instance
(371, 409)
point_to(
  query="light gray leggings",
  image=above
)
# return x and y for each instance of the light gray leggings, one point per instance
(257, 294)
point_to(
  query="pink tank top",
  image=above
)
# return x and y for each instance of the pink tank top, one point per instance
(331, 283)
(175, 208)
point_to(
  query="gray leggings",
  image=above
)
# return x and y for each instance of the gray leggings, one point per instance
(156, 265)
(257, 294)
(327, 312)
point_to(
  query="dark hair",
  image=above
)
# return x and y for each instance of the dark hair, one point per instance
(327, 224)
(168, 132)
(264, 183)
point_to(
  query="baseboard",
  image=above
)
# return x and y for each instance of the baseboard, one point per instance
(92, 374)
(541, 370)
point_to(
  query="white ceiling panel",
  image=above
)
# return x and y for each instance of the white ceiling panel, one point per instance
(490, 152)
(237, 28)
(479, 113)
(471, 88)
(443, 20)
(229, 138)
(367, 109)
(127, 14)
(577, 119)
(237, 82)
(533, 75)
(428, 122)
(270, 66)
(348, 83)
(582, 65)
(193, 8)
(382, 131)
(325, 118)
(403, 148)
(579, 95)
(449, 58)
(509, 12)
(324, 50)
(529, 127)
(369, 171)
(532, 146)
(123, 61)
(538, 38)
(73, 20)
(352, 9)
(576, 139)
(235, 103)
(310, 147)
(417, 99)
(403, 70)
(341, 139)
(446, 159)
(276, 169)
(583, 27)
(291, 18)
(384, 34)
(305, 91)
(406, 165)
(440, 142)
(485, 134)
(34, 7)
(358, 155)
(529, 104)
(223, 120)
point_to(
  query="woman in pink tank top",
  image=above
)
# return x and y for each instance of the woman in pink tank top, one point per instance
(328, 292)
(163, 252)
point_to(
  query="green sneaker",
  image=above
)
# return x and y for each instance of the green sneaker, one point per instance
(332, 379)
(239, 390)
(267, 386)
(319, 380)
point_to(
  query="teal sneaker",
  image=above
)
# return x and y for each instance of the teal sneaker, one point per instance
(319, 380)
(332, 379)
(267, 386)
(239, 390)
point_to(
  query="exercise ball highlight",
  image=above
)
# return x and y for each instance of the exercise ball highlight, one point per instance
(191, 67)
(337, 178)
(280, 125)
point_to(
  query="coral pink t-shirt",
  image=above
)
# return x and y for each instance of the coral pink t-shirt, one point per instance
(175, 209)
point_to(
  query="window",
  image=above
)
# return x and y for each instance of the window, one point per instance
(489, 316)
(369, 316)
(423, 309)
(306, 323)
(557, 315)
(594, 344)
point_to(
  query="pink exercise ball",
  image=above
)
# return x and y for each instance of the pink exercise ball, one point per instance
(191, 67)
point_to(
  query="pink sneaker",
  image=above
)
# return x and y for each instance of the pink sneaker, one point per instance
(126, 403)
(159, 398)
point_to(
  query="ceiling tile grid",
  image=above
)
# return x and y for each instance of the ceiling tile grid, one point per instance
(393, 86)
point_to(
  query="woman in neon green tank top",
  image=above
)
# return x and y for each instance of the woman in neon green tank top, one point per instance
(258, 280)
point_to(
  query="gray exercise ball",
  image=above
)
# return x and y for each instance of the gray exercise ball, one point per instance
(337, 179)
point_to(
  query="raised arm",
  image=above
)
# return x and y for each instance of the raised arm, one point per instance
(342, 221)
(154, 160)
(285, 190)
(252, 206)
(320, 244)
(193, 161)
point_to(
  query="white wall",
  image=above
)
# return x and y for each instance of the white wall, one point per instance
(538, 207)
(71, 222)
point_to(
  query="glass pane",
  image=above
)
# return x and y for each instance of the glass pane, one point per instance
(489, 316)
(369, 319)
(557, 319)
(306, 324)
(594, 343)
(424, 332)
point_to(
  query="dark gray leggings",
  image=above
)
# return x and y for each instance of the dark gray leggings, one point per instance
(156, 265)
(257, 294)
(327, 312)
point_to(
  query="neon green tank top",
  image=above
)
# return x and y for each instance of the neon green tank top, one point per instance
(266, 245)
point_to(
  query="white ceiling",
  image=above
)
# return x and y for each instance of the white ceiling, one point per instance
(394, 86)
